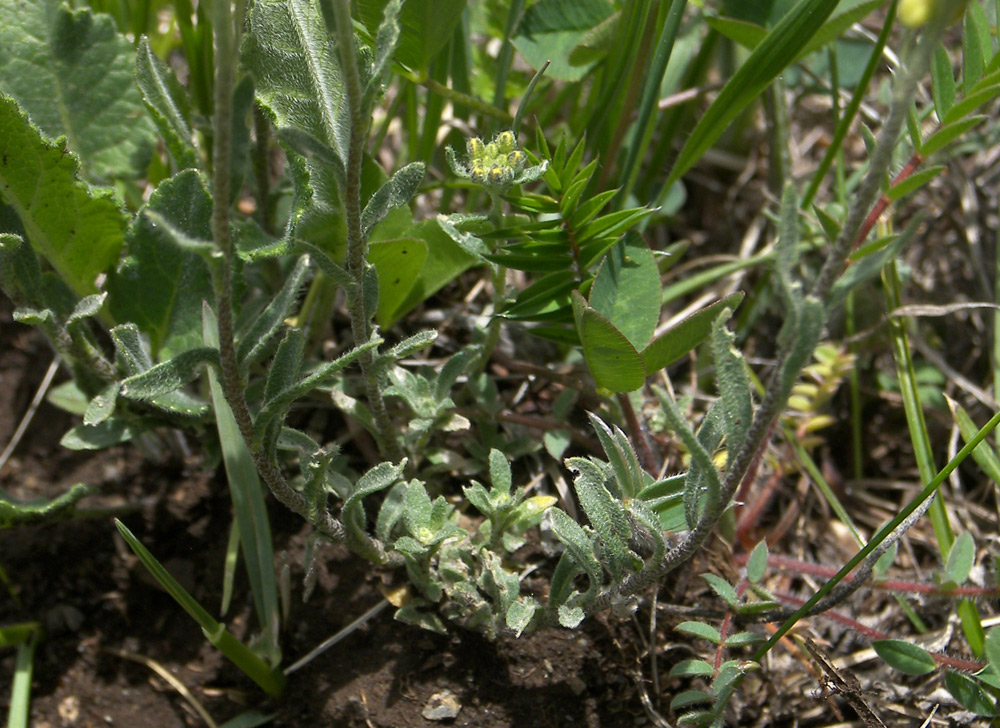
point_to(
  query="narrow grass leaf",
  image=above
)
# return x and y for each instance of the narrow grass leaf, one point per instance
(768, 59)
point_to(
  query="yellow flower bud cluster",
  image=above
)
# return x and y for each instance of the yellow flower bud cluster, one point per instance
(916, 13)
(495, 164)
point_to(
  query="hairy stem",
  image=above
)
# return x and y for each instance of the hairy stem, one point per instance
(357, 241)
(232, 381)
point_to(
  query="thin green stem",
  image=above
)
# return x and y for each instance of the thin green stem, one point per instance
(357, 241)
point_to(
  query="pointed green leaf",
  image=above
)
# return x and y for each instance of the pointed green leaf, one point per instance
(626, 290)
(905, 656)
(167, 103)
(397, 191)
(254, 341)
(76, 228)
(500, 475)
(948, 133)
(607, 517)
(579, 546)
(169, 375)
(110, 432)
(692, 668)
(913, 182)
(942, 81)
(766, 62)
(733, 383)
(671, 345)
(613, 361)
(723, 588)
(72, 72)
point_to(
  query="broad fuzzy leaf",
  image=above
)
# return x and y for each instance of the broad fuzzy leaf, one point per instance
(607, 516)
(77, 229)
(72, 73)
(169, 375)
(161, 285)
(961, 558)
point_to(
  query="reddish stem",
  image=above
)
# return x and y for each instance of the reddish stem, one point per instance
(955, 663)
(915, 161)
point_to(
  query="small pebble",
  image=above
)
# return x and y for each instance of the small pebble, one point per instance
(441, 706)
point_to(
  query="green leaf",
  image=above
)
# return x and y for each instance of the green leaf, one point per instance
(276, 405)
(961, 558)
(613, 361)
(969, 694)
(397, 191)
(626, 290)
(973, 49)
(687, 698)
(692, 668)
(733, 383)
(607, 516)
(674, 343)
(942, 81)
(500, 475)
(700, 629)
(169, 375)
(253, 342)
(426, 26)
(21, 513)
(766, 62)
(913, 182)
(948, 133)
(77, 229)
(72, 73)
(723, 588)
(293, 61)
(742, 639)
(871, 265)
(160, 285)
(993, 647)
(97, 437)
(621, 455)
(399, 264)
(520, 614)
(757, 563)
(551, 29)
(579, 546)
(167, 103)
(905, 656)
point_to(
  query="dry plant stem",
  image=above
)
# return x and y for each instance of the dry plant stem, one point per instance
(357, 242)
(232, 383)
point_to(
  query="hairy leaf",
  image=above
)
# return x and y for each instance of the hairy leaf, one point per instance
(76, 228)
(72, 73)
